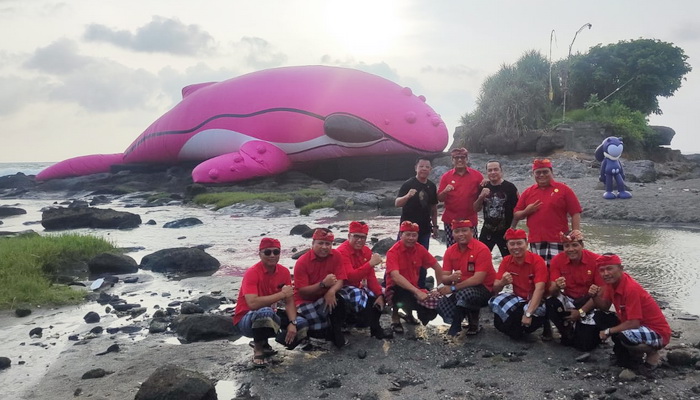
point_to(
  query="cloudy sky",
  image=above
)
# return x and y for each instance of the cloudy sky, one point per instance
(84, 76)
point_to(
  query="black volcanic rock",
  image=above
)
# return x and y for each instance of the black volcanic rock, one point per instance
(88, 217)
(180, 259)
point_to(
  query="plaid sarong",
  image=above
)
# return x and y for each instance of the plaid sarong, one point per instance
(356, 298)
(644, 335)
(547, 250)
(316, 314)
(472, 298)
(503, 304)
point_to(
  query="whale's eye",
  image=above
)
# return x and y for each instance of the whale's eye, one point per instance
(350, 129)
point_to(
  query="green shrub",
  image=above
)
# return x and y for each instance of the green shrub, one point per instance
(306, 210)
(28, 263)
(225, 199)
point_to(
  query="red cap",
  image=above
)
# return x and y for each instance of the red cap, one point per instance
(359, 227)
(608, 259)
(541, 163)
(460, 151)
(266, 243)
(323, 234)
(408, 226)
(465, 223)
(515, 234)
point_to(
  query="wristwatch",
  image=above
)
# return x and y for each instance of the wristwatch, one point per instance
(581, 312)
(293, 322)
(528, 315)
(453, 288)
(321, 285)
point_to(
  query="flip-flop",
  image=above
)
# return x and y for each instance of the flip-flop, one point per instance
(409, 318)
(268, 351)
(397, 327)
(472, 332)
(261, 358)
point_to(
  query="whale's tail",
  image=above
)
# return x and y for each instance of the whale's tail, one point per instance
(83, 165)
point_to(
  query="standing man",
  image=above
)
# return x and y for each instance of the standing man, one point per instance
(521, 311)
(459, 189)
(264, 285)
(548, 205)
(403, 263)
(569, 306)
(418, 201)
(498, 199)
(643, 329)
(319, 293)
(362, 275)
(468, 278)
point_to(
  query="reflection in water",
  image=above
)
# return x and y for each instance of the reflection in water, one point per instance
(662, 260)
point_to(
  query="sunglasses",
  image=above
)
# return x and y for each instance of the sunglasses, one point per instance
(269, 252)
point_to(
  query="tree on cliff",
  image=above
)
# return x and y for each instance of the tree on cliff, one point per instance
(640, 70)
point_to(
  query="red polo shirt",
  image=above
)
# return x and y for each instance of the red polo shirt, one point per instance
(633, 302)
(459, 203)
(476, 257)
(579, 275)
(311, 269)
(533, 270)
(257, 280)
(558, 201)
(408, 261)
(361, 268)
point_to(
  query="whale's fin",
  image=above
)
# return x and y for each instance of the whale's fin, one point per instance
(189, 89)
(79, 166)
(254, 159)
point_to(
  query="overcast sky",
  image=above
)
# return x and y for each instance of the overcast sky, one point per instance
(85, 77)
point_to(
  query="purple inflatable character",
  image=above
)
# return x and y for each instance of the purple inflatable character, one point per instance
(608, 153)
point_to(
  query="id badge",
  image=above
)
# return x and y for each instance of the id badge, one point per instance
(471, 267)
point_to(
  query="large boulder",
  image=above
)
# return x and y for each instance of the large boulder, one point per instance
(382, 246)
(180, 259)
(202, 327)
(171, 382)
(17, 181)
(664, 134)
(548, 142)
(111, 263)
(643, 171)
(182, 223)
(88, 217)
(8, 211)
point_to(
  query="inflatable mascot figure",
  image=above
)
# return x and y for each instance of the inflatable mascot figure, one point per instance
(608, 153)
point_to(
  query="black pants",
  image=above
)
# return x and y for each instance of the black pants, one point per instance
(491, 239)
(513, 326)
(404, 299)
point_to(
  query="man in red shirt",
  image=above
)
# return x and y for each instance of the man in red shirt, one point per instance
(264, 285)
(468, 278)
(319, 291)
(362, 276)
(643, 329)
(569, 306)
(521, 311)
(547, 205)
(459, 188)
(403, 263)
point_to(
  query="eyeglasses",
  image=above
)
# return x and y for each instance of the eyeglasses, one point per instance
(269, 252)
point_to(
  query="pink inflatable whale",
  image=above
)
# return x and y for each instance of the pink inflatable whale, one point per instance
(262, 123)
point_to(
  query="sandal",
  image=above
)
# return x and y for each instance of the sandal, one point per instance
(473, 331)
(268, 351)
(397, 327)
(409, 318)
(259, 361)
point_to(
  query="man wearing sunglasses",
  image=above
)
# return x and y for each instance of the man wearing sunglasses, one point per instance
(264, 285)
(459, 188)
(362, 276)
(319, 290)
(547, 205)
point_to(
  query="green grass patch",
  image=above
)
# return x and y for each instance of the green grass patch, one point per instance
(306, 210)
(225, 199)
(157, 196)
(28, 264)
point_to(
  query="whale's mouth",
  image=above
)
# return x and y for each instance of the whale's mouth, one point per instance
(350, 129)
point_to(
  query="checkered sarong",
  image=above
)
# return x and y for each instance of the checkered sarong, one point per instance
(644, 335)
(547, 250)
(355, 298)
(316, 314)
(504, 304)
(472, 297)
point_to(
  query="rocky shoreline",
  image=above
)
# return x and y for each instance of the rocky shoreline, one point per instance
(423, 363)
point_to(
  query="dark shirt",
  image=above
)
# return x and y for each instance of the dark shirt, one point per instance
(417, 208)
(498, 207)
